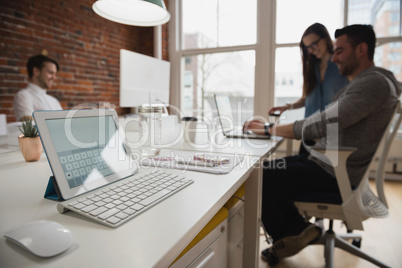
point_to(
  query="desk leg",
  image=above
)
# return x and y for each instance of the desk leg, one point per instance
(252, 212)
(289, 147)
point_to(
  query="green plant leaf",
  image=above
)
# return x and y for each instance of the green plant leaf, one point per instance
(28, 129)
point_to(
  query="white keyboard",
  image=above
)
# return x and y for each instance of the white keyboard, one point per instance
(121, 201)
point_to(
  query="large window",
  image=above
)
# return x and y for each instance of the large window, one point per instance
(217, 51)
(250, 50)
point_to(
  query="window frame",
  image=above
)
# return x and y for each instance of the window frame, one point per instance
(263, 60)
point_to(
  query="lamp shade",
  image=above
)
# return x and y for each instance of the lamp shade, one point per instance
(133, 12)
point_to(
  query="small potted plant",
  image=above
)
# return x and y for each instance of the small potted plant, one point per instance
(29, 141)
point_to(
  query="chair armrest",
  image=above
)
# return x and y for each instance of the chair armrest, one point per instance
(338, 158)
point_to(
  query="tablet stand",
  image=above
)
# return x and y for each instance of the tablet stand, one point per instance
(52, 190)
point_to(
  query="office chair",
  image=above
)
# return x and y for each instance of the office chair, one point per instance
(353, 206)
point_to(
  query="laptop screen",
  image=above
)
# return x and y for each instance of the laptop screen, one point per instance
(225, 112)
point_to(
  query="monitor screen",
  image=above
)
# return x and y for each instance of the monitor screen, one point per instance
(143, 79)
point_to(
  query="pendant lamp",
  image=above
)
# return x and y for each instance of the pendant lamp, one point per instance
(133, 12)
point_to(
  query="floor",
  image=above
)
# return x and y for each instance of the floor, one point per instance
(382, 238)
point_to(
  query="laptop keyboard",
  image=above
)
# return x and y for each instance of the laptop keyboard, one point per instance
(126, 199)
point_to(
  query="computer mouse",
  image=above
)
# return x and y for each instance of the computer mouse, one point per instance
(43, 238)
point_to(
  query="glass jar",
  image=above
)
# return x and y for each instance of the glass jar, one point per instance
(189, 126)
(150, 129)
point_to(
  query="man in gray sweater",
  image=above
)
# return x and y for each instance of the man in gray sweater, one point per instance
(357, 118)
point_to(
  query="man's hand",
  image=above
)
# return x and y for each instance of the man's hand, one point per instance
(279, 109)
(255, 126)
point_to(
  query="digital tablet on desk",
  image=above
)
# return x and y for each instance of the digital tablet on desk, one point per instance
(84, 148)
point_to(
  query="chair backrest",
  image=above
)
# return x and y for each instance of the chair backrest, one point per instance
(383, 151)
(360, 203)
(364, 203)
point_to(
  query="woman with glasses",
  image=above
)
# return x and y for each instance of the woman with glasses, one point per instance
(321, 78)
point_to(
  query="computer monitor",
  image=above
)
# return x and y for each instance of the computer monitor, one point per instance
(143, 79)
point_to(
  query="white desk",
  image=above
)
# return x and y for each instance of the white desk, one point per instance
(213, 142)
(153, 239)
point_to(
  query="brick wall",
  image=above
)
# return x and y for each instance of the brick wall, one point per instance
(86, 46)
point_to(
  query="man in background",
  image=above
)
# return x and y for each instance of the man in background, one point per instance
(42, 72)
(360, 111)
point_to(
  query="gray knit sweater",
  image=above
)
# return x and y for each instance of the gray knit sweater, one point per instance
(356, 118)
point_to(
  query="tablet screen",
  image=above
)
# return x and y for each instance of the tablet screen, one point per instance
(88, 148)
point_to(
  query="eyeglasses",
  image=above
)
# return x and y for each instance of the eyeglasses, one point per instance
(313, 45)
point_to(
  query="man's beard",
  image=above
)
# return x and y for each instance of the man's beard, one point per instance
(350, 67)
(43, 84)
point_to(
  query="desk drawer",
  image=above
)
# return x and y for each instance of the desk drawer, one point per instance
(235, 235)
(210, 252)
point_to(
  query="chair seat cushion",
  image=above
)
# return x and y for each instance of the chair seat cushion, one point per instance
(327, 198)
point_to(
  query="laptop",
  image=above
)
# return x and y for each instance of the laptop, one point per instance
(227, 123)
(93, 169)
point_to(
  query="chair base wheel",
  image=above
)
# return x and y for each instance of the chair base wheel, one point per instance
(357, 243)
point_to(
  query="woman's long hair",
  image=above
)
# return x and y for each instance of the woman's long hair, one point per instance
(309, 60)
